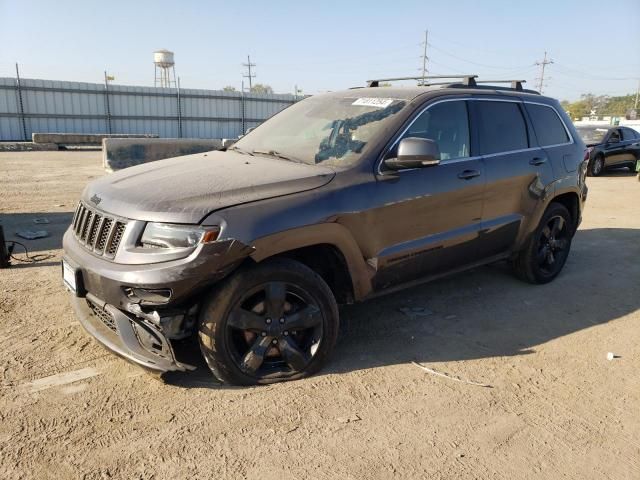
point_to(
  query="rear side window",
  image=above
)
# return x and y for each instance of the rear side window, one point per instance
(547, 125)
(628, 134)
(501, 127)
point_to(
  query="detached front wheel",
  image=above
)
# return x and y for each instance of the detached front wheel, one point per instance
(276, 321)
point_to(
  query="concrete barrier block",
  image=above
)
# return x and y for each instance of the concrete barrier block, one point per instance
(27, 147)
(83, 138)
(119, 153)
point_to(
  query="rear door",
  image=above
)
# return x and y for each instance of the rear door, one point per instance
(553, 136)
(631, 140)
(518, 171)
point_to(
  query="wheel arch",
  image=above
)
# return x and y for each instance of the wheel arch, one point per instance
(571, 201)
(329, 250)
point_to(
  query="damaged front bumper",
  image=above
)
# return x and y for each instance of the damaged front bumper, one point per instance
(137, 310)
(134, 339)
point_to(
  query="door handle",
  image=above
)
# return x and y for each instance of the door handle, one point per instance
(537, 161)
(468, 174)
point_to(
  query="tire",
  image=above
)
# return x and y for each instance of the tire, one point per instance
(596, 166)
(546, 251)
(243, 345)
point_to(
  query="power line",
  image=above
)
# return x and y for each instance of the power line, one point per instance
(543, 64)
(249, 75)
(476, 63)
(589, 76)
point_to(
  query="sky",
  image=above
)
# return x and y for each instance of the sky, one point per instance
(326, 45)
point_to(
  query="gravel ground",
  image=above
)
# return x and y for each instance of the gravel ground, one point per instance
(554, 407)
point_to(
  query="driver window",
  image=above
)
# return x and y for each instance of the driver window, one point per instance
(447, 124)
(614, 137)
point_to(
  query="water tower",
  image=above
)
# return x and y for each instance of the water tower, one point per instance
(165, 74)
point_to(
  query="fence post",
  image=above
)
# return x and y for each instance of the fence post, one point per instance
(21, 104)
(179, 110)
(106, 103)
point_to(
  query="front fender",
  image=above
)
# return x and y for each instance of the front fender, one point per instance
(325, 233)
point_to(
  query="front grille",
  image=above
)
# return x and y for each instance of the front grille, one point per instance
(97, 232)
(102, 315)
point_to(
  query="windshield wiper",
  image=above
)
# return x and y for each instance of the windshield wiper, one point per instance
(240, 150)
(276, 154)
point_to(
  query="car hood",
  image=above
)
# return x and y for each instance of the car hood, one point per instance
(186, 189)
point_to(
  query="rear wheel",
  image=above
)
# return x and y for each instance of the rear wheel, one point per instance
(547, 250)
(596, 167)
(273, 322)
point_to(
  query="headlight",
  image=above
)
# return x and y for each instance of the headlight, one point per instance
(165, 235)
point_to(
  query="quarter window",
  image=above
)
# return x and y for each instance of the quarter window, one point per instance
(501, 127)
(446, 123)
(547, 125)
(628, 134)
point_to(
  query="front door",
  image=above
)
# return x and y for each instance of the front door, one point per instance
(428, 219)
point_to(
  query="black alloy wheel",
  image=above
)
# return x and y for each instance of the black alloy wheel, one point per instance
(553, 245)
(268, 323)
(274, 329)
(547, 249)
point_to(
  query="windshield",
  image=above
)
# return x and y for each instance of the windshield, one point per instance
(324, 129)
(592, 135)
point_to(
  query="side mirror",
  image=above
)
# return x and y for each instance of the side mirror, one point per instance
(415, 153)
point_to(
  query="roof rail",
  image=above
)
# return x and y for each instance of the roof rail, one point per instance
(490, 85)
(468, 80)
(515, 84)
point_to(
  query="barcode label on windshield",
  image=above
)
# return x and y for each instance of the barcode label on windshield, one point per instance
(373, 102)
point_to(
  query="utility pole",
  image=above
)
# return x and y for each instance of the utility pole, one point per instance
(249, 75)
(424, 56)
(637, 94)
(106, 101)
(542, 64)
(20, 103)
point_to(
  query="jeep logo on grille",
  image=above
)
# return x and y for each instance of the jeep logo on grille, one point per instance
(95, 199)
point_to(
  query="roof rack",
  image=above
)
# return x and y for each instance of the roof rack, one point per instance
(468, 80)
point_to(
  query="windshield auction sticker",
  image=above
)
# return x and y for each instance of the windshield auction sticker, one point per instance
(373, 102)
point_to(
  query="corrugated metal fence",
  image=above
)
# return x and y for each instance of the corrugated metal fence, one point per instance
(48, 106)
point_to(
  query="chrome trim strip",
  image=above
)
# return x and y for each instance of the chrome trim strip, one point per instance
(490, 155)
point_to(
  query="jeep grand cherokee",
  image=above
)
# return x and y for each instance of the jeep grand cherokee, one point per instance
(336, 199)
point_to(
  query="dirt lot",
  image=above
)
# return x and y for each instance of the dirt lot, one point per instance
(557, 408)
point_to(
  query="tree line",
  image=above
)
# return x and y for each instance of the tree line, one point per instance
(257, 88)
(604, 105)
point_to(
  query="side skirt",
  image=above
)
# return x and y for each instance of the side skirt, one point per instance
(420, 281)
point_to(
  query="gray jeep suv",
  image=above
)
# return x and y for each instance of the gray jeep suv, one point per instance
(336, 199)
